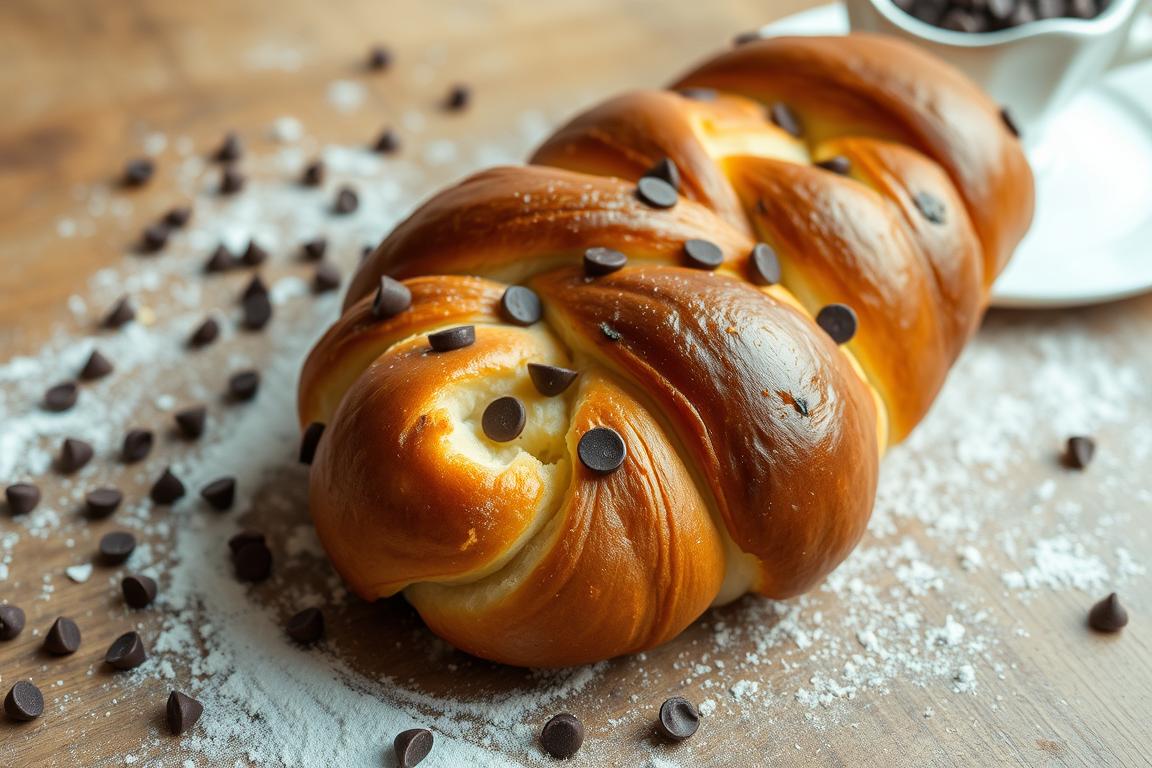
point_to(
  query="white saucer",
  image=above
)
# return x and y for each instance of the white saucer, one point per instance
(1091, 240)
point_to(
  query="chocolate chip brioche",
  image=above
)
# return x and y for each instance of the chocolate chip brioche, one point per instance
(571, 405)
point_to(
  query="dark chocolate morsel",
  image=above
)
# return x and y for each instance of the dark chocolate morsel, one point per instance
(24, 702)
(412, 746)
(504, 419)
(126, 652)
(22, 498)
(838, 321)
(182, 712)
(452, 338)
(678, 719)
(63, 638)
(551, 380)
(602, 450)
(562, 736)
(521, 306)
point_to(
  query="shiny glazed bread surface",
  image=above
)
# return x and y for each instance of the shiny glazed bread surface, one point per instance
(752, 438)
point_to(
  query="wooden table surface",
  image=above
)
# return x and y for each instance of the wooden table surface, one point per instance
(83, 84)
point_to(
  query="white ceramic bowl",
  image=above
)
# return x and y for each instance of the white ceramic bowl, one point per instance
(1032, 69)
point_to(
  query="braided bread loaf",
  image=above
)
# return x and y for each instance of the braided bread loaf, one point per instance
(559, 460)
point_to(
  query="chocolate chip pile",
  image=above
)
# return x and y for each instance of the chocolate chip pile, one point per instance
(993, 15)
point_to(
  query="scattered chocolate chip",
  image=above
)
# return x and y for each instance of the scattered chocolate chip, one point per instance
(315, 249)
(244, 385)
(116, 547)
(139, 590)
(678, 719)
(602, 450)
(221, 260)
(190, 421)
(310, 441)
(838, 164)
(698, 94)
(838, 321)
(121, 314)
(504, 419)
(521, 306)
(167, 488)
(22, 498)
(387, 143)
(765, 265)
(307, 626)
(126, 652)
(1078, 452)
(97, 367)
(453, 338)
(551, 380)
(61, 397)
(379, 58)
(244, 538)
(255, 287)
(24, 702)
(783, 116)
(137, 445)
(102, 502)
(220, 493)
(313, 175)
(254, 255)
(253, 561)
(346, 201)
(562, 736)
(801, 405)
(154, 238)
(603, 261)
(138, 172)
(325, 278)
(231, 181)
(63, 638)
(744, 38)
(931, 208)
(458, 98)
(11, 621)
(74, 455)
(1009, 123)
(656, 192)
(412, 746)
(230, 149)
(610, 333)
(205, 333)
(1108, 615)
(177, 217)
(392, 298)
(703, 254)
(665, 170)
(257, 311)
(182, 712)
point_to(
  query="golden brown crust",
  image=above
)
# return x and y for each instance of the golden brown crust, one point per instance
(510, 223)
(753, 440)
(629, 560)
(766, 406)
(870, 85)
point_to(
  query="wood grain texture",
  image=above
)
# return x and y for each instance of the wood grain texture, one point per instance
(82, 82)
